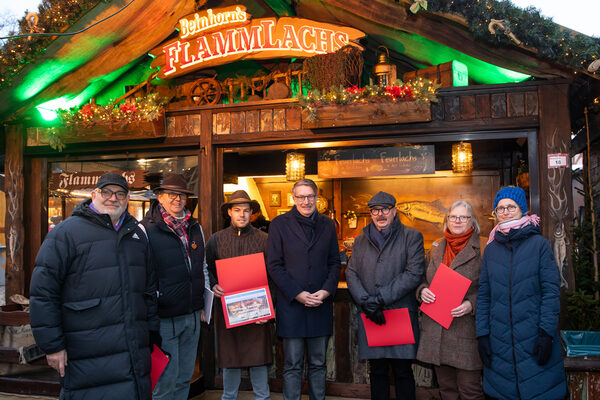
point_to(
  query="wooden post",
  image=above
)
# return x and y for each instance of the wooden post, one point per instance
(556, 201)
(13, 169)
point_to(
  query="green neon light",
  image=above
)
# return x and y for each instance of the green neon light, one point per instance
(48, 109)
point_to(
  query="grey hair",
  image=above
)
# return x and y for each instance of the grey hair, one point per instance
(469, 208)
(305, 182)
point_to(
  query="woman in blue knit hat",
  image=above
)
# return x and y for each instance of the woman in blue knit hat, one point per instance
(518, 306)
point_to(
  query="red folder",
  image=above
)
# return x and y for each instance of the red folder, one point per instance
(244, 281)
(396, 330)
(159, 363)
(450, 289)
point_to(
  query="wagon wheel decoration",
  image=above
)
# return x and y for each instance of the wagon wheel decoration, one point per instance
(204, 91)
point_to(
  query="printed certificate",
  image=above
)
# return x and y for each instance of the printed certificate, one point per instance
(247, 307)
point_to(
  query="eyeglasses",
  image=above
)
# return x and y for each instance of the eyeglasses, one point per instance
(383, 211)
(460, 218)
(173, 195)
(508, 209)
(108, 194)
(310, 198)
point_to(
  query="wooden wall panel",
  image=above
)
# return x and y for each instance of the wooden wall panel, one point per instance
(14, 228)
(467, 107)
(482, 105)
(452, 108)
(499, 105)
(279, 119)
(437, 110)
(238, 122)
(195, 124)
(252, 121)
(221, 125)
(266, 120)
(293, 118)
(531, 103)
(516, 104)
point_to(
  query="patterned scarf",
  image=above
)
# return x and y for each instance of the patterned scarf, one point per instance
(454, 244)
(179, 225)
(505, 227)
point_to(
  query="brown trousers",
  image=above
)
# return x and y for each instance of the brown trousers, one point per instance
(459, 384)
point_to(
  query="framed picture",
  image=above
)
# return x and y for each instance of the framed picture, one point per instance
(275, 198)
(290, 200)
(282, 211)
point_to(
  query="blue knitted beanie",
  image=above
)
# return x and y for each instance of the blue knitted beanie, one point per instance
(514, 193)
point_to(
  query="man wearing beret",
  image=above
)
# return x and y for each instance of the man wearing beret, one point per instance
(387, 265)
(93, 298)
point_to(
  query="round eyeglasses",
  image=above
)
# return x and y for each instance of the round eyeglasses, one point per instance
(459, 218)
(508, 209)
(382, 211)
(108, 194)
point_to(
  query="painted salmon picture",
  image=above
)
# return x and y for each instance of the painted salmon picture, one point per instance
(433, 212)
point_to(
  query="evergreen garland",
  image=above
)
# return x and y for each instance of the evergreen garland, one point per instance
(551, 41)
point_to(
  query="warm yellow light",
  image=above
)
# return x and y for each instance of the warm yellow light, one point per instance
(294, 166)
(462, 157)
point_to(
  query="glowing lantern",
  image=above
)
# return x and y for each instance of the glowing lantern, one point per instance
(384, 70)
(294, 166)
(462, 157)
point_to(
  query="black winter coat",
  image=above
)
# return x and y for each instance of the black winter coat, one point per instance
(93, 293)
(295, 265)
(181, 287)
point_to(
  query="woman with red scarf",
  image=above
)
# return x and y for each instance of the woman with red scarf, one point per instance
(453, 351)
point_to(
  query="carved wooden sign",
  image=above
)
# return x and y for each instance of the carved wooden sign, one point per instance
(383, 161)
(87, 180)
(214, 37)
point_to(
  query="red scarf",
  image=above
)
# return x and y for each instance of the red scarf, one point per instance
(454, 244)
(178, 225)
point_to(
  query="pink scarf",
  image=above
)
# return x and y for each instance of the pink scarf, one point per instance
(505, 227)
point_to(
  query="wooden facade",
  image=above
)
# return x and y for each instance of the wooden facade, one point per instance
(535, 111)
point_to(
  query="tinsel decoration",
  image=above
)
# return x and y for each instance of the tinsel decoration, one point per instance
(342, 68)
(147, 108)
(420, 90)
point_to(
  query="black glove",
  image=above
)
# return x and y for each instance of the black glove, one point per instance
(377, 317)
(371, 304)
(543, 347)
(155, 339)
(485, 350)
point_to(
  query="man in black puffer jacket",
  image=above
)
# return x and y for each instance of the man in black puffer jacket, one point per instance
(177, 244)
(93, 299)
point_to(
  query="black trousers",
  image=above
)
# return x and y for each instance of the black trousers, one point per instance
(404, 380)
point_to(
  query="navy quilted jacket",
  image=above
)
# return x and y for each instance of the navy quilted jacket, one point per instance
(518, 295)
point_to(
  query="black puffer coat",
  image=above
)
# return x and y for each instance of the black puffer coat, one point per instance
(181, 288)
(93, 294)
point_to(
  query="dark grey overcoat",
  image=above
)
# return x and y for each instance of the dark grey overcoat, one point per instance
(394, 272)
(456, 346)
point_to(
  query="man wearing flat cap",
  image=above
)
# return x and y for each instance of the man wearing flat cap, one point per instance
(177, 243)
(386, 267)
(248, 346)
(93, 298)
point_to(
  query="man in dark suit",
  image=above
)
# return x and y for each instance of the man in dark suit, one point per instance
(304, 264)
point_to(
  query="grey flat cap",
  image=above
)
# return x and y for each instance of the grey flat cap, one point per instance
(382, 199)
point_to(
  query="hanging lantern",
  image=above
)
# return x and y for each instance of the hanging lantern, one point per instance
(462, 157)
(294, 166)
(384, 71)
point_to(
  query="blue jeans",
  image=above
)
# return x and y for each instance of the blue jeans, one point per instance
(259, 376)
(293, 356)
(180, 337)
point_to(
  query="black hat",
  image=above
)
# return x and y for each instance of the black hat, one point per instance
(112, 178)
(173, 183)
(382, 199)
(240, 197)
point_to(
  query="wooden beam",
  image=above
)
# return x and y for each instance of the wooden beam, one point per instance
(13, 169)
(383, 17)
(556, 205)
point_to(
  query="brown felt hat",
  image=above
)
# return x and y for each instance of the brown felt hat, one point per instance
(173, 183)
(240, 197)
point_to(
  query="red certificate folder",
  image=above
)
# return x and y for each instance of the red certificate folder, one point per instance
(396, 330)
(159, 363)
(449, 288)
(247, 297)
